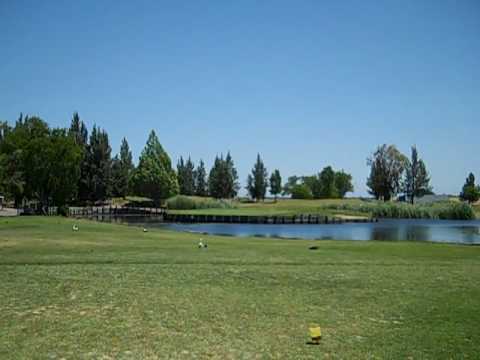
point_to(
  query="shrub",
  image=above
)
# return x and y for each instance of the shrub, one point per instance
(301, 191)
(440, 210)
(63, 210)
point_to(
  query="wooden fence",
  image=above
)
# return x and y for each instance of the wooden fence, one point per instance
(115, 211)
(164, 215)
(250, 219)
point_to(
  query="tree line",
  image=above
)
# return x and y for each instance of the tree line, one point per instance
(222, 181)
(393, 173)
(59, 166)
(328, 184)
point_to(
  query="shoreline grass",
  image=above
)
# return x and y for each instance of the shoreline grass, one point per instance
(452, 210)
(112, 291)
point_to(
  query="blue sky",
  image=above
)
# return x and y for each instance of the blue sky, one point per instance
(304, 83)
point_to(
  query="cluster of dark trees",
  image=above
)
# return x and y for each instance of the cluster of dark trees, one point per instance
(391, 173)
(222, 181)
(258, 181)
(56, 166)
(328, 184)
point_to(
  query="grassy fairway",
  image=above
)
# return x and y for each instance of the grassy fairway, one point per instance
(280, 207)
(115, 292)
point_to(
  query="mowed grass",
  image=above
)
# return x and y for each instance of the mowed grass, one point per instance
(278, 208)
(112, 291)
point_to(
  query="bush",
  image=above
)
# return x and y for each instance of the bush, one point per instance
(440, 210)
(63, 210)
(182, 202)
(301, 191)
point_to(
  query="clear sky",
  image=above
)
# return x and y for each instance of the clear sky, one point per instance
(304, 83)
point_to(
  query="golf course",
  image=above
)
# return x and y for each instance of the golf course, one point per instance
(112, 291)
(339, 208)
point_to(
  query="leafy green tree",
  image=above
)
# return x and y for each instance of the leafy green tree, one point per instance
(12, 182)
(327, 184)
(154, 176)
(343, 183)
(12, 179)
(328, 190)
(292, 181)
(201, 184)
(314, 184)
(470, 191)
(257, 181)
(42, 165)
(301, 191)
(4, 130)
(275, 183)
(386, 168)
(64, 166)
(417, 181)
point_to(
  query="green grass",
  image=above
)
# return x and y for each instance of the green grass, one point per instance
(280, 207)
(111, 291)
(336, 207)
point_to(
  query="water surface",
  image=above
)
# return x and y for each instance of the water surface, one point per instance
(451, 231)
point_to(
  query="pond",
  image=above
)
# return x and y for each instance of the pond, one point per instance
(448, 231)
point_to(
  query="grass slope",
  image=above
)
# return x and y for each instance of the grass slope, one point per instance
(280, 207)
(111, 291)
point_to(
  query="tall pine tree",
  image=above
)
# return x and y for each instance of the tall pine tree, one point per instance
(232, 184)
(122, 169)
(99, 162)
(79, 132)
(417, 181)
(275, 183)
(214, 179)
(201, 185)
(257, 181)
(189, 181)
(223, 178)
(181, 175)
(186, 176)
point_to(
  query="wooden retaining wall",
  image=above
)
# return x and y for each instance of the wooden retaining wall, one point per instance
(164, 215)
(250, 219)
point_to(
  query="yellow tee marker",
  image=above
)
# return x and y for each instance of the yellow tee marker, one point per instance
(315, 334)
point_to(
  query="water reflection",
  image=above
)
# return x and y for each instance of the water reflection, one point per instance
(466, 232)
(384, 233)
